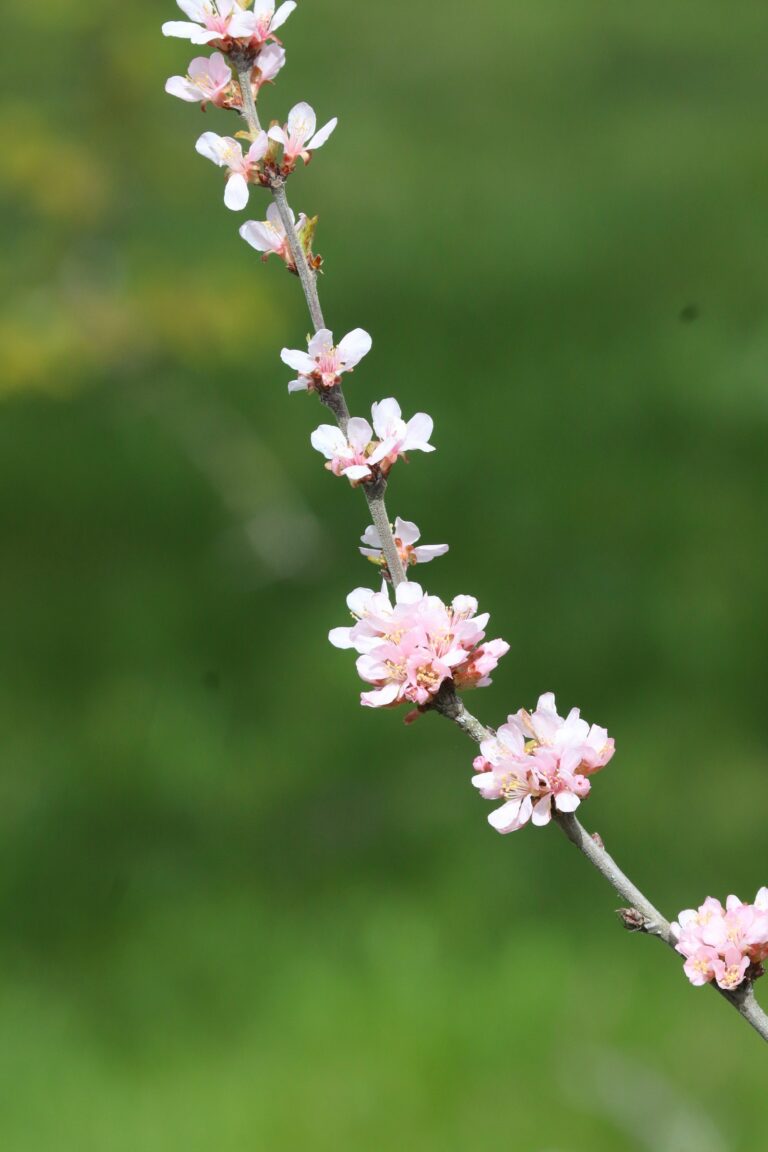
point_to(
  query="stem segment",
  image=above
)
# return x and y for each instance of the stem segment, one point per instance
(335, 400)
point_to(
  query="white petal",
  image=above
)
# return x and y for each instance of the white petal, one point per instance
(406, 531)
(354, 346)
(339, 637)
(359, 433)
(505, 819)
(320, 137)
(371, 538)
(418, 431)
(329, 440)
(567, 802)
(542, 811)
(259, 236)
(213, 147)
(242, 25)
(302, 120)
(409, 592)
(236, 192)
(276, 133)
(321, 342)
(181, 87)
(190, 32)
(194, 9)
(382, 696)
(273, 216)
(383, 414)
(427, 552)
(382, 451)
(356, 472)
(282, 14)
(297, 360)
(298, 386)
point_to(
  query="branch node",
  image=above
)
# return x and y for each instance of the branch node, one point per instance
(633, 920)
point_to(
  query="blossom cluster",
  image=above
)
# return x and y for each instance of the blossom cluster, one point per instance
(539, 762)
(361, 457)
(243, 31)
(229, 24)
(723, 944)
(408, 649)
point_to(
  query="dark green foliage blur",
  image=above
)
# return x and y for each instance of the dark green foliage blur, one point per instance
(237, 912)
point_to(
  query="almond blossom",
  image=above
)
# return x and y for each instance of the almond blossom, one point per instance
(346, 455)
(406, 534)
(267, 20)
(359, 456)
(207, 81)
(212, 20)
(324, 363)
(395, 436)
(723, 943)
(539, 763)
(226, 152)
(408, 649)
(299, 137)
(269, 62)
(270, 238)
(226, 22)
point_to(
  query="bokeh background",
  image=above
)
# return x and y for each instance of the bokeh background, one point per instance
(237, 911)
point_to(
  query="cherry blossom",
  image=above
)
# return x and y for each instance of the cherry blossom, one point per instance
(226, 152)
(207, 81)
(267, 20)
(406, 535)
(269, 62)
(723, 943)
(395, 436)
(269, 236)
(324, 363)
(212, 21)
(299, 137)
(539, 763)
(408, 649)
(346, 455)
(363, 453)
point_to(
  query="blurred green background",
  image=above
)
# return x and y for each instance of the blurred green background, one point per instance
(239, 912)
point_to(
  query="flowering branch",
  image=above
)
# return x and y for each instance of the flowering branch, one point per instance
(419, 650)
(334, 398)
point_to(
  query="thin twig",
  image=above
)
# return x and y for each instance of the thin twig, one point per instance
(335, 400)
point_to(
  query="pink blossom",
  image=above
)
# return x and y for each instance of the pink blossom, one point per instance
(731, 969)
(212, 21)
(396, 438)
(267, 20)
(721, 943)
(355, 451)
(346, 455)
(700, 965)
(299, 137)
(226, 22)
(226, 152)
(270, 61)
(537, 762)
(207, 81)
(581, 747)
(406, 536)
(324, 363)
(408, 649)
(269, 236)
